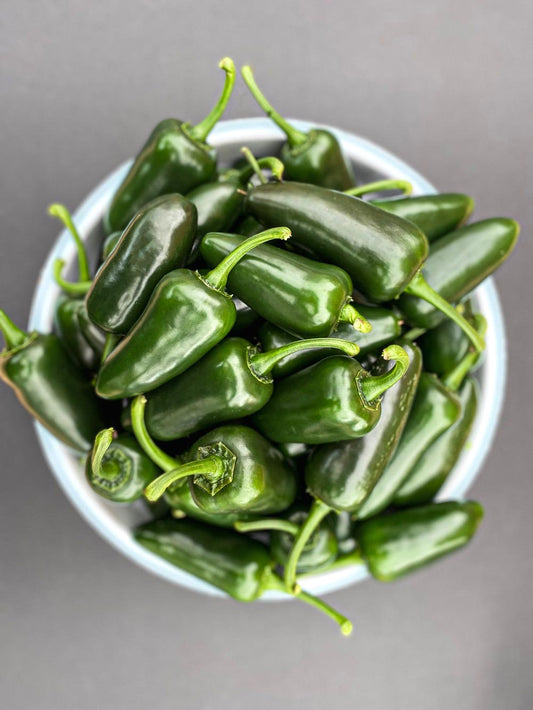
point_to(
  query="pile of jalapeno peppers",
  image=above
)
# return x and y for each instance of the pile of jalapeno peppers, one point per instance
(278, 368)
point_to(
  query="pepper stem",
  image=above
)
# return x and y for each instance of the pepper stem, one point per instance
(380, 186)
(294, 136)
(111, 341)
(349, 314)
(204, 128)
(147, 444)
(211, 467)
(13, 335)
(274, 164)
(78, 288)
(218, 277)
(102, 442)
(262, 363)
(419, 287)
(267, 524)
(317, 513)
(374, 386)
(454, 379)
(274, 582)
(61, 212)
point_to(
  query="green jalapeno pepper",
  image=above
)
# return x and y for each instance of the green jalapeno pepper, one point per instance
(50, 385)
(248, 226)
(110, 242)
(117, 468)
(232, 381)
(187, 315)
(156, 241)
(343, 474)
(304, 297)
(381, 252)
(175, 158)
(397, 543)
(245, 317)
(435, 409)
(459, 262)
(315, 157)
(342, 525)
(386, 327)
(435, 215)
(445, 346)
(332, 400)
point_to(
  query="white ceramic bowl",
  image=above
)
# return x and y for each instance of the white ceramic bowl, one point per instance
(114, 522)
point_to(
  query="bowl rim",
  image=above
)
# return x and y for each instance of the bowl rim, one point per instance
(66, 467)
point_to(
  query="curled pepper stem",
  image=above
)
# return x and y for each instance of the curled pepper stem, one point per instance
(102, 442)
(61, 212)
(211, 466)
(346, 626)
(294, 136)
(419, 287)
(78, 288)
(267, 524)
(350, 314)
(147, 444)
(380, 186)
(454, 379)
(14, 336)
(374, 386)
(262, 363)
(218, 277)
(275, 165)
(204, 128)
(317, 513)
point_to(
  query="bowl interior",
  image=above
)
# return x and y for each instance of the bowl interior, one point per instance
(114, 522)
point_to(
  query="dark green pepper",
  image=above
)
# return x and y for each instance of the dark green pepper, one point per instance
(245, 317)
(117, 468)
(435, 215)
(381, 252)
(459, 262)
(303, 297)
(110, 242)
(397, 543)
(248, 226)
(175, 158)
(343, 474)
(434, 410)
(332, 400)
(187, 315)
(50, 385)
(232, 381)
(315, 157)
(386, 327)
(445, 346)
(155, 242)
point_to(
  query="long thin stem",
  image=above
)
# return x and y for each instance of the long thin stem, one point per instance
(211, 466)
(61, 212)
(255, 166)
(73, 288)
(267, 524)
(13, 335)
(262, 363)
(294, 136)
(454, 379)
(147, 444)
(218, 277)
(349, 314)
(204, 128)
(317, 513)
(374, 386)
(381, 186)
(419, 287)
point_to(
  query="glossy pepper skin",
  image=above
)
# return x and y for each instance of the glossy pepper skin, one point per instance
(386, 328)
(53, 389)
(435, 215)
(302, 296)
(315, 157)
(328, 401)
(156, 241)
(380, 251)
(122, 471)
(110, 242)
(395, 544)
(437, 462)
(175, 158)
(446, 345)
(232, 381)
(320, 552)
(187, 315)
(180, 500)
(83, 340)
(234, 563)
(434, 410)
(459, 262)
(343, 474)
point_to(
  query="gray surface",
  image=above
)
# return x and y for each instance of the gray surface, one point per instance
(445, 86)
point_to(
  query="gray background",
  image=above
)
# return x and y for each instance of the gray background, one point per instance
(447, 86)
